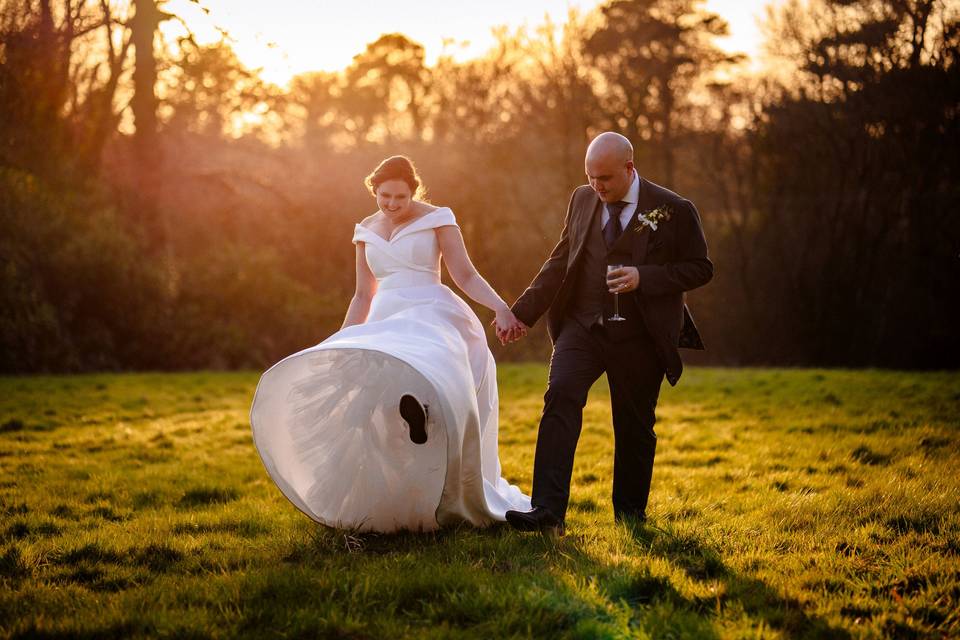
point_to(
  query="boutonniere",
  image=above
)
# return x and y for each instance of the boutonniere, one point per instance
(652, 218)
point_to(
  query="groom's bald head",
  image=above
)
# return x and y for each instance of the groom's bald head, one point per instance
(609, 166)
(612, 145)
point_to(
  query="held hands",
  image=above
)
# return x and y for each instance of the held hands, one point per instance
(623, 280)
(509, 328)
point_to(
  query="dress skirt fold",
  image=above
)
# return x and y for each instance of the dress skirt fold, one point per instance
(326, 422)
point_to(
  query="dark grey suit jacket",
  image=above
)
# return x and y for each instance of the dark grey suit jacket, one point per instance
(671, 260)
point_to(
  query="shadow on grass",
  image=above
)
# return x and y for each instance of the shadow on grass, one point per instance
(492, 582)
(503, 583)
(758, 600)
(112, 632)
(206, 496)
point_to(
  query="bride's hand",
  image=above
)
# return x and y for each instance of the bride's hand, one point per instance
(509, 328)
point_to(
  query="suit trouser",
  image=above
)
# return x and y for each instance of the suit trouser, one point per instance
(634, 374)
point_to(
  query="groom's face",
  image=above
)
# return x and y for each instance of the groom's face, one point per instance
(609, 176)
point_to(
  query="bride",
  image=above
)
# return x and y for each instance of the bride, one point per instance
(391, 422)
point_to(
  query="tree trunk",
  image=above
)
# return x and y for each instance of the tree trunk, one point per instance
(144, 26)
(146, 150)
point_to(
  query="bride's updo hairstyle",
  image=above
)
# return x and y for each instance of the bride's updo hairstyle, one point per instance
(396, 168)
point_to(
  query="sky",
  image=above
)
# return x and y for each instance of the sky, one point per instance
(294, 36)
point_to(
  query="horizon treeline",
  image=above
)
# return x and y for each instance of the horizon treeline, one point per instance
(162, 207)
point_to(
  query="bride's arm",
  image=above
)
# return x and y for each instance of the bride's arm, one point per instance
(466, 277)
(366, 287)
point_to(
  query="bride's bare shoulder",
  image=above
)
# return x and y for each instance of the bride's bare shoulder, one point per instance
(371, 219)
(423, 208)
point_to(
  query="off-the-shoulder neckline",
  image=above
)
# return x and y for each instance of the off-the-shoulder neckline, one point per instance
(399, 230)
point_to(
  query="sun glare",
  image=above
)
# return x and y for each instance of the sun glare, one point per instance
(297, 37)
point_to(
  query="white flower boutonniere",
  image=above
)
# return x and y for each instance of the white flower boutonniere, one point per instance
(653, 218)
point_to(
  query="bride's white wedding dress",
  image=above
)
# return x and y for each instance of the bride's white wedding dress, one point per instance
(326, 420)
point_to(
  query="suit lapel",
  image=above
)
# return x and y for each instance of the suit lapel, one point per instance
(586, 223)
(635, 237)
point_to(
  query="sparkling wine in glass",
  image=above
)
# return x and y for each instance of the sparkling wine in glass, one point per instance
(616, 317)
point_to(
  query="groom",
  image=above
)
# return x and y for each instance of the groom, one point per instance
(619, 219)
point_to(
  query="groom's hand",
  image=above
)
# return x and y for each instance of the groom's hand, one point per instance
(623, 280)
(512, 334)
(508, 327)
(516, 332)
(504, 335)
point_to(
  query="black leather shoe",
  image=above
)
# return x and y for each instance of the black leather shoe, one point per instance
(540, 519)
(415, 415)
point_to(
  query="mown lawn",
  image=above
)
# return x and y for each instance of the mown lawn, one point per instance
(785, 503)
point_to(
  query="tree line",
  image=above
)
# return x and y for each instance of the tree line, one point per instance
(163, 207)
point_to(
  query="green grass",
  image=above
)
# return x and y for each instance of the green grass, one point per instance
(785, 503)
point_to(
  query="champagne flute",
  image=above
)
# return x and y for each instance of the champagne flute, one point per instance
(616, 317)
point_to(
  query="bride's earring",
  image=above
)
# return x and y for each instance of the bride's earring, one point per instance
(415, 414)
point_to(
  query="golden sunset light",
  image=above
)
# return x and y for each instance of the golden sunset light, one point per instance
(502, 319)
(295, 37)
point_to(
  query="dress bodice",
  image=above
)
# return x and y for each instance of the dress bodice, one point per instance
(326, 420)
(411, 257)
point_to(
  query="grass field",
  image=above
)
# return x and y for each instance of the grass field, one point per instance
(785, 503)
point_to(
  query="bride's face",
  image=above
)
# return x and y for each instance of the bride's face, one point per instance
(394, 198)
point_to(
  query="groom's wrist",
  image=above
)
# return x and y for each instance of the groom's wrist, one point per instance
(521, 316)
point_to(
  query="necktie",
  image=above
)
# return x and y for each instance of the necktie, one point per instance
(613, 229)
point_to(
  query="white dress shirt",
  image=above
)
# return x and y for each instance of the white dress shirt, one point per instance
(632, 197)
